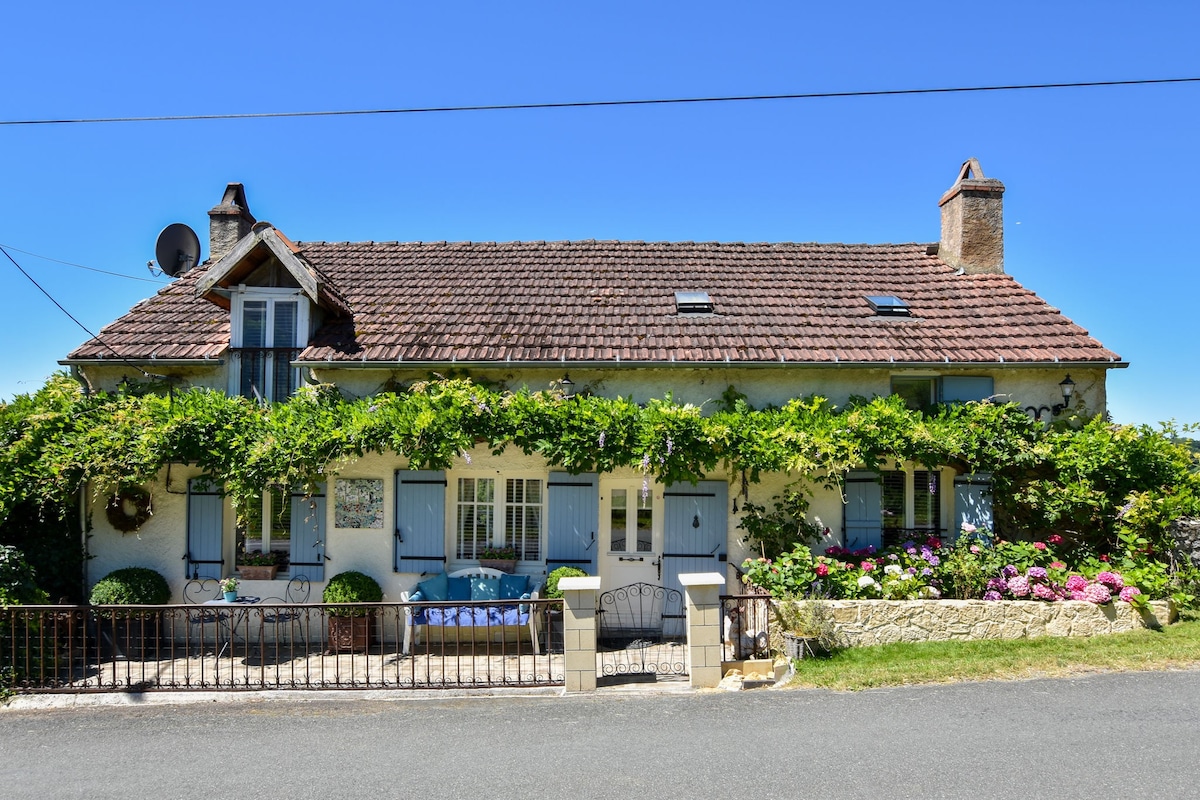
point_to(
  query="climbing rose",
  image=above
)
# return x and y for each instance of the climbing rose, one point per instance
(1018, 586)
(1076, 583)
(1111, 579)
(1129, 592)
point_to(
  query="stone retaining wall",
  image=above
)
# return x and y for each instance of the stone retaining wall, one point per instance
(869, 622)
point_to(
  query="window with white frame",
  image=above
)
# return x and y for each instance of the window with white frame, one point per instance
(267, 528)
(513, 519)
(924, 499)
(269, 326)
(631, 521)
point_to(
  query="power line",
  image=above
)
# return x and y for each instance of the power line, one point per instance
(70, 315)
(82, 266)
(604, 103)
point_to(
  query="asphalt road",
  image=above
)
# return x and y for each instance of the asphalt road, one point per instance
(1103, 736)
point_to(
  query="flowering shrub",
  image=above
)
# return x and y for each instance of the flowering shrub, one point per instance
(976, 565)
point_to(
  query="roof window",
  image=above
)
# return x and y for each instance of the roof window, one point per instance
(693, 303)
(888, 305)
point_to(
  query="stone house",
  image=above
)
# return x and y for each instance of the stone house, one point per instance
(934, 322)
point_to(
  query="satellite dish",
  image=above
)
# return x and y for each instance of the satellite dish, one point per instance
(177, 249)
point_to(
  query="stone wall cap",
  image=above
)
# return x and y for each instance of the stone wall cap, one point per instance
(591, 582)
(702, 579)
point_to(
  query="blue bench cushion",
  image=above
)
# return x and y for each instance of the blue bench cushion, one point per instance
(513, 586)
(473, 616)
(485, 588)
(460, 589)
(435, 589)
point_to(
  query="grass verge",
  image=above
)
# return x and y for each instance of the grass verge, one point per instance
(1175, 647)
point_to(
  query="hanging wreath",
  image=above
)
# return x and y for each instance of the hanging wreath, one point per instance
(129, 509)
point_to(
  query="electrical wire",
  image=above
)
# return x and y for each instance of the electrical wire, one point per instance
(71, 316)
(82, 266)
(601, 103)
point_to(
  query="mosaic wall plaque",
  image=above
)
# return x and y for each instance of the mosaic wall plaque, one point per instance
(358, 503)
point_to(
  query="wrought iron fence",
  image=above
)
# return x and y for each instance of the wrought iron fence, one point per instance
(258, 646)
(746, 625)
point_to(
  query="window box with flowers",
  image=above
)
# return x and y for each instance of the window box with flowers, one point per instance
(258, 566)
(501, 558)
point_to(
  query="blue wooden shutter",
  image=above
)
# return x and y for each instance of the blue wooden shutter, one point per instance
(308, 535)
(205, 507)
(574, 517)
(695, 535)
(863, 517)
(420, 538)
(961, 389)
(972, 502)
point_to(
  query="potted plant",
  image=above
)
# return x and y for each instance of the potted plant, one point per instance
(258, 566)
(808, 627)
(351, 628)
(229, 587)
(134, 633)
(501, 558)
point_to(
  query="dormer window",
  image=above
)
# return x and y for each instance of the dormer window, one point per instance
(269, 328)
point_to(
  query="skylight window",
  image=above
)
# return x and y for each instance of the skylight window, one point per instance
(887, 305)
(693, 303)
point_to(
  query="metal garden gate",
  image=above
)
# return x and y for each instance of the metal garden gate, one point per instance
(641, 634)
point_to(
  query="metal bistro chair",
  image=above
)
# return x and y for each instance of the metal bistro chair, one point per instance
(284, 610)
(196, 592)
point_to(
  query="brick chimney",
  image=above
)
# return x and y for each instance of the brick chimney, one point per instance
(973, 222)
(228, 222)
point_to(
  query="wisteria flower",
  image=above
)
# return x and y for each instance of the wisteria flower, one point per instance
(1076, 583)
(1128, 593)
(1043, 592)
(992, 595)
(1097, 593)
(1010, 571)
(1112, 580)
(1036, 573)
(600, 440)
(1018, 586)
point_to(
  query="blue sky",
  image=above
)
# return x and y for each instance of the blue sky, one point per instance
(1101, 209)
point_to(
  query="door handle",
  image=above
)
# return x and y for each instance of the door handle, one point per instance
(631, 558)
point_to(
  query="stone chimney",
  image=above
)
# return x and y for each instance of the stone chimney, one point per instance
(228, 222)
(973, 222)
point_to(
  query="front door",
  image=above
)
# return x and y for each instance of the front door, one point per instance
(629, 533)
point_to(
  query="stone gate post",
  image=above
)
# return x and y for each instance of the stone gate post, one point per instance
(702, 591)
(579, 632)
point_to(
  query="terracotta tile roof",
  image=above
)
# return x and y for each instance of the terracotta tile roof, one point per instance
(603, 301)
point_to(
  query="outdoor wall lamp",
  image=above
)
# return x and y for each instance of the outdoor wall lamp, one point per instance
(568, 386)
(1068, 387)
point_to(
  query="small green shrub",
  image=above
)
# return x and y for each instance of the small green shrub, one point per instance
(351, 587)
(552, 591)
(131, 586)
